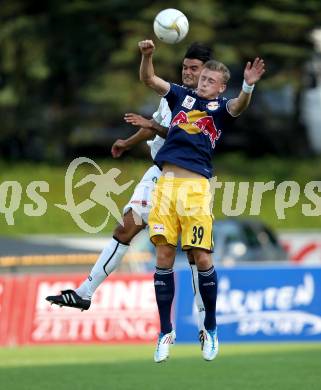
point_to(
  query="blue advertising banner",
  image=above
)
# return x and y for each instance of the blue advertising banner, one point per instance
(257, 304)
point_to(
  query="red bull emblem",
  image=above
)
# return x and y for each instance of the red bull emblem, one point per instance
(194, 122)
(181, 117)
(213, 106)
(207, 126)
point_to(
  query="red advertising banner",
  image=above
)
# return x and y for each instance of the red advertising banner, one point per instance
(6, 300)
(123, 310)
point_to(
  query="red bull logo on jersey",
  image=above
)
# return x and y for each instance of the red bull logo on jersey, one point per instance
(213, 106)
(195, 122)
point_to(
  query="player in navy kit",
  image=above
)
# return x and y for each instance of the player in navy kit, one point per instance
(182, 198)
(137, 209)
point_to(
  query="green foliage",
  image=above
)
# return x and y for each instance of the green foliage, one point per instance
(58, 57)
(71, 46)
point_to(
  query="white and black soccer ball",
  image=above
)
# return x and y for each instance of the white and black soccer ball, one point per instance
(171, 25)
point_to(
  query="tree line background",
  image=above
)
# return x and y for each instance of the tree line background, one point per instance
(69, 69)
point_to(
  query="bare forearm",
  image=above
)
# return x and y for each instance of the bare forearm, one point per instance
(159, 129)
(143, 134)
(148, 77)
(146, 71)
(146, 125)
(239, 104)
(252, 74)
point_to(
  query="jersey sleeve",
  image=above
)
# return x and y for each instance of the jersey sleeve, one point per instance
(174, 94)
(163, 114)
(226, 112)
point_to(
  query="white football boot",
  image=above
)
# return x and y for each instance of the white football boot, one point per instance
(210, 345)
(163, 344)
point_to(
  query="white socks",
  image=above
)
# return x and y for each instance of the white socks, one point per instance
(106, 263)
(198, 298)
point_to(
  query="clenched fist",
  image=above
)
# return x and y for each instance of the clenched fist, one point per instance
(146, 47)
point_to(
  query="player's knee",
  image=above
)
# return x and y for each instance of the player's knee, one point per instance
(126, 232)
(190, 257)
(203, 260)
(165, 256)
(122, 234)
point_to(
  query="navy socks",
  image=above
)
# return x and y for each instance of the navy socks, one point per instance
(164, 291)
(208, 290)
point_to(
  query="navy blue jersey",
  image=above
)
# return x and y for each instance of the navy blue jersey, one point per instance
(196, 126)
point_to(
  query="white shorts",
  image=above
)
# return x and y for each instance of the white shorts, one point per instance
(140, 202)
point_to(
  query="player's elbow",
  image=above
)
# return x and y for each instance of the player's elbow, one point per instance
(148, 81)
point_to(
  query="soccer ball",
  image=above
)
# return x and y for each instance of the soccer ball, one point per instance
(171, 25)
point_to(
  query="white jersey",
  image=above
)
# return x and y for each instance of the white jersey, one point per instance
(163, 116)
(141, 200)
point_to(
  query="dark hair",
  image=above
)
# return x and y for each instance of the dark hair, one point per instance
(199, 51)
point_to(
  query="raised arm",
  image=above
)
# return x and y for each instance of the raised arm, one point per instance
(146, 72)
(252, 74)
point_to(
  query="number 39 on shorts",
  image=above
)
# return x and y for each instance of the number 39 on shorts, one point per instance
(198, 234)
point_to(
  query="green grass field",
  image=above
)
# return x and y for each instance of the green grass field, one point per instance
(228, 168)
(244, 367)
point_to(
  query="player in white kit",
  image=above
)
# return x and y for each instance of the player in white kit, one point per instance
(137, 209)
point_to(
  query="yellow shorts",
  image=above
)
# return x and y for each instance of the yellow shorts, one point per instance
(182, 206)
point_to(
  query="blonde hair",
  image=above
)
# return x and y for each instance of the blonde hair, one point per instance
(219, 67)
